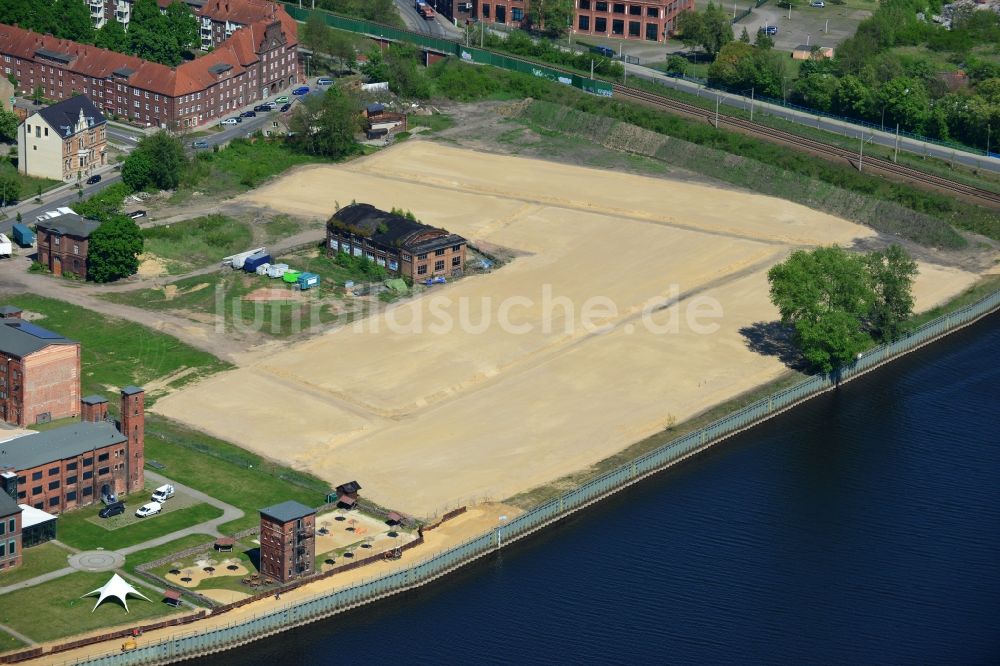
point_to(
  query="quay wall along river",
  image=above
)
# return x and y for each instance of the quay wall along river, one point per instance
(194, 643)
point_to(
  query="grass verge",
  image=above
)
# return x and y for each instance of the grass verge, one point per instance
(148, 555)
(75, 530)
(227, 472)
(55, 609)
(36, 561)
(115, 352)
(198, 242)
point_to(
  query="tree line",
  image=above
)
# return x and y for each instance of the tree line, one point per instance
(161, 37)
(867, 79)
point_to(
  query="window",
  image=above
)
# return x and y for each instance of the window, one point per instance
(486, 11)
(439, 253)
(36, 475)
(600, 24)
(88, 491)
(618, 27)
(517, 14)
(422, 269)
(104, 456)
(633, 28)
(103, 471)
(635, 10)
(54, 501)
(584, 4)
(87, 462)
(53, 485)
(601, 6)
(3, 550)
(439, 265)
(37, 490)
(3, 527)
(22, 480)
(456, 248)
(652, 33)
(12, 547)
(653, 12)
(70, 466)
(71, 496)
(618, 8)
(89, 474)
(422, 256)
(70, 480)
(456, 261)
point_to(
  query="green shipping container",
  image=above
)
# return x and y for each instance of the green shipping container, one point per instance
(291, 277)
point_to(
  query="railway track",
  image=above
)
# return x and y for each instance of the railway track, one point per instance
(889, 169)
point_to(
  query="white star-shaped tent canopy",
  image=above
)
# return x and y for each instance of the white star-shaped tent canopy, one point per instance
(116, 587)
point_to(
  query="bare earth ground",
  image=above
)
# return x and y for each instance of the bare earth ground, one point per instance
(428, 415)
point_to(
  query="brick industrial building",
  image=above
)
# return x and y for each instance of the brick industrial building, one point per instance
(287, 541)
(650, 20)
(10, 532)
(63, 238)
(71, 466)
(39, 372)
(63, 141)
(402, 246)
(257, 60)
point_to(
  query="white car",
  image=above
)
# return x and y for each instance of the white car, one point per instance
(150, 509)
(228, 121)
(817, 3)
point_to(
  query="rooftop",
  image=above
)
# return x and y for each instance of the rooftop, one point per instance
(64, 116)
(64, 221)
(57, 444)
(21, 338)
(30, 516)
(287, 511)
(389, 229)
(8, 507)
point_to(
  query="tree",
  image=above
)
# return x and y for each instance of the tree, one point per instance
(114, 249)
(38, 93)
(818, 90)
(74, 21)
(553, 17)
(182, 26)
(762, 40)
(711, 29)
(157, 161)
(137, 170)
(825, 295)
(9, 122)
(10, 185)
(150, 34)
(906, 102)
(745, 36)
(326, 124)
(342, 46)
(741, 66)
(853, 98)
(676, 65)
(112, 37)
(315, 33)
(105, 204)
(890, 278)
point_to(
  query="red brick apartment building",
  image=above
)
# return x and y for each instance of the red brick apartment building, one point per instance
(650, 20)
(71, 466)
(287, 541)
(63, 239)
(10, 532)
(257, 60)
(402, 246)
(39, 372)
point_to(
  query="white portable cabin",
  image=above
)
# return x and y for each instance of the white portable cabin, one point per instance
(262, 269)
(237, 260)
(276, 270)
(6, 248)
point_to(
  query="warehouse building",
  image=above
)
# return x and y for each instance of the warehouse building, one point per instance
(400, 245)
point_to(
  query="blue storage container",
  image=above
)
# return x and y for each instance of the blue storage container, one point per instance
(308, 280)
(23, 236)
(252, 262)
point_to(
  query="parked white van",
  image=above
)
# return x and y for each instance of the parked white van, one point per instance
(163, 493)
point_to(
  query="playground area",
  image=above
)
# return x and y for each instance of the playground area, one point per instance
(621, 314)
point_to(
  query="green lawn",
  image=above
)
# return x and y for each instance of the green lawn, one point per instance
(8, 642)
(227, 472)
(435, 121)
(54, 609)
(116, 352)
(36, 561)
(199, 242)
(76, 530)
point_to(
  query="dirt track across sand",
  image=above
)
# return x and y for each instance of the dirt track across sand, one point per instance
(598, 334)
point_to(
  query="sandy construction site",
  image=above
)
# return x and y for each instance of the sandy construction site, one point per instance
(621, 313)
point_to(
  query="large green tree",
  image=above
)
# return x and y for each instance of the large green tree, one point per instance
(158, 161)
(553, 17)
(8, 125)
(890, 278)
(742, 66)
(710, 29)
(150, 36)
(326, 124)
(105, 204)
(10, 184)
(315, 34)
(112, 36)
(182, 26)
(73, 21)
(114, 249)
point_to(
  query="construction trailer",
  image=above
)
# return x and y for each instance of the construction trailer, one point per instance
(23, 235)
(237, 260)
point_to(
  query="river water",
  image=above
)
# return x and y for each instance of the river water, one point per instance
(862, 527)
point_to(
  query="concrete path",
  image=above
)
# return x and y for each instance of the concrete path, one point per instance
(20, 637)
(38, 580)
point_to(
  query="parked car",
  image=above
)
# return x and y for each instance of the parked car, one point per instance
(136, 214)
(111, 510)
(249, 114)
(324, 81)
(268, 106)
(817, 3)
(261, 108)
(285, 107)
(770, 30)
(163, 493)
(301, 90)
(605, 51)
(229, 121)
(94, 179)
(150, 509)
(282, 100)
(200, 143)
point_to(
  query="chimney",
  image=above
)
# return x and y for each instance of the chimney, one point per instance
(133, 426)
(10, 312)
(93, 409)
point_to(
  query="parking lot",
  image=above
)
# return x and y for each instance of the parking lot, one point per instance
(180, 500)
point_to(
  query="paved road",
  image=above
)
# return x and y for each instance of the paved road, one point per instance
(439, 27)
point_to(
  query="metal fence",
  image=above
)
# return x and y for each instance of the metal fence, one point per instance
(237, 633)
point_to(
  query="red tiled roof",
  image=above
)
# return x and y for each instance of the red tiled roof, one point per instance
(239, 51)
(243, 12)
